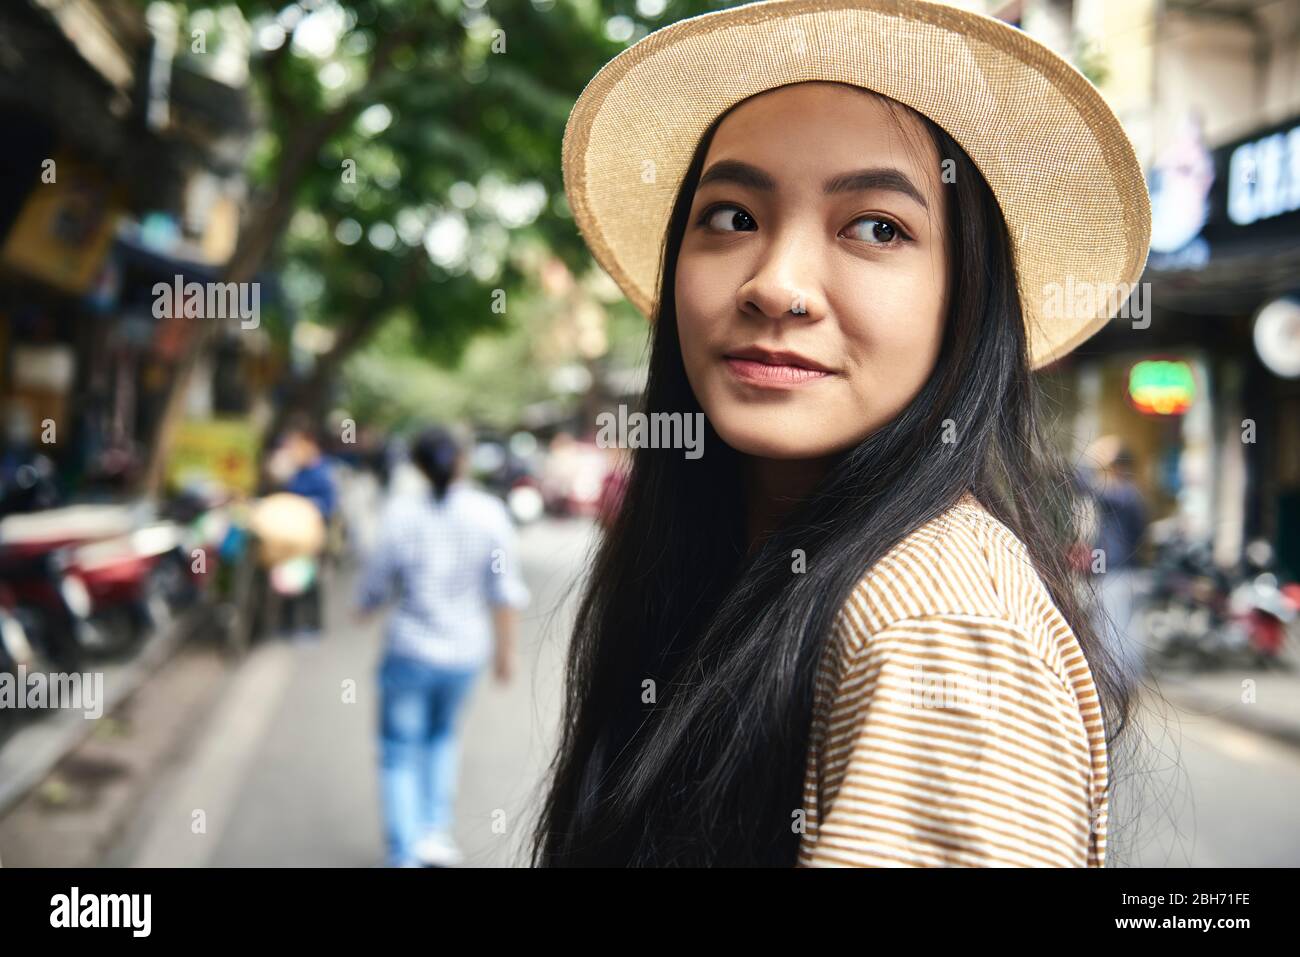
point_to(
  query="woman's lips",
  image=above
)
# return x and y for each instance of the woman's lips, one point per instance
(780, 376)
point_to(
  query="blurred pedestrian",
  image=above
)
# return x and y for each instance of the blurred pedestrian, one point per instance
(300, 467)
(312, 475)
(1120, 525)
(448, 557)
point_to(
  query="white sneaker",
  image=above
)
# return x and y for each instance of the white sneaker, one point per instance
(438, 850)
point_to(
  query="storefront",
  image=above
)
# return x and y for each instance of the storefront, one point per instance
(55, 240)
(1206, 388)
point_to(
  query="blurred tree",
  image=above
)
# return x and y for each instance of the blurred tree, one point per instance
(410, 147)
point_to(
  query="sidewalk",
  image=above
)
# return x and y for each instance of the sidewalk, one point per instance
(33, 750)
(102, 770)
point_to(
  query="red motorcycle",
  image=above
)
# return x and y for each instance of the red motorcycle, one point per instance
(1206, 617)
(1263, 610)
(89, 580)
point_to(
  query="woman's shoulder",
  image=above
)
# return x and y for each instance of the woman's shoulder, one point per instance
(963, 565)
(960, 598)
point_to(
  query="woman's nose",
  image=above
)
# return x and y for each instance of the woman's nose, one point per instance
(783, 283)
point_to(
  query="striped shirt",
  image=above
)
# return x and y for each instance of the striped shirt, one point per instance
(447, 564)
(955, 722)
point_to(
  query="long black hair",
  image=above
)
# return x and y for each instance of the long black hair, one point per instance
(690, 674)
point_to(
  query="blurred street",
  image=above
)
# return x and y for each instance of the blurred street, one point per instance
(284, 770)
(265, 267)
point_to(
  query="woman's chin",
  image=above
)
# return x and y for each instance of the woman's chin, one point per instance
(774, 437)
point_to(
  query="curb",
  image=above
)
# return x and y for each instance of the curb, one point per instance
(32, 752)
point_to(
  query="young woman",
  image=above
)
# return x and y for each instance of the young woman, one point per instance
(849, 632)
(447, 558)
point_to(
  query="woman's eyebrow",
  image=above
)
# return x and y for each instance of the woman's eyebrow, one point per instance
(744, 174)
(881, 177)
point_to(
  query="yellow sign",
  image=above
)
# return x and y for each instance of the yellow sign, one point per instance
(214, 450)
(65, 227)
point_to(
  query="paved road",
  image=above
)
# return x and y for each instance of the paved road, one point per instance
(1206, 793)
(285, 771)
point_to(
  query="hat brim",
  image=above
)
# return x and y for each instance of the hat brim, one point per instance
(1060, 164)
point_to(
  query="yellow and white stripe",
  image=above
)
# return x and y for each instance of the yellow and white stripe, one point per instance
(956, 722)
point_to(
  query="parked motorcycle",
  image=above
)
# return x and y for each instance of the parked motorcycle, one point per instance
(50, 602)
(1200, 616)
(1263, 611)
(92, 579)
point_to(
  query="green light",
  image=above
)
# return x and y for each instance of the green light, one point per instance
(1161, 386)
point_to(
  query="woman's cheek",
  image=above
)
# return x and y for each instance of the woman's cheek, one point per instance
(702, 304)
(898, 326)
(704, 287)
(887, 362)
(692, 335)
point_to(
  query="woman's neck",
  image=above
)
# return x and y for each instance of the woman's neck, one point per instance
(774, 488)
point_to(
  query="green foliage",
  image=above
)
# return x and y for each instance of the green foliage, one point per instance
(1091, 61)
(471, 96)
(391, 384)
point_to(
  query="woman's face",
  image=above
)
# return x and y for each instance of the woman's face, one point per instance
(811, 282)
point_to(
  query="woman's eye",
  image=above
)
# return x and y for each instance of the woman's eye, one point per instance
(878, 232)
(730, 219)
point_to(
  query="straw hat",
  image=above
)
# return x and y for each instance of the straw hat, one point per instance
(1062, 168)
(287, 526)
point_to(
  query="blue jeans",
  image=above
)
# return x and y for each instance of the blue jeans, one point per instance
(419, 707)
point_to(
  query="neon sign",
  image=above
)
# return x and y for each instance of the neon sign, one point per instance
(1264, 178)
(1161, 386)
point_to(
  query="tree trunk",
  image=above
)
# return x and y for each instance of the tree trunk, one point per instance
(310, 394)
